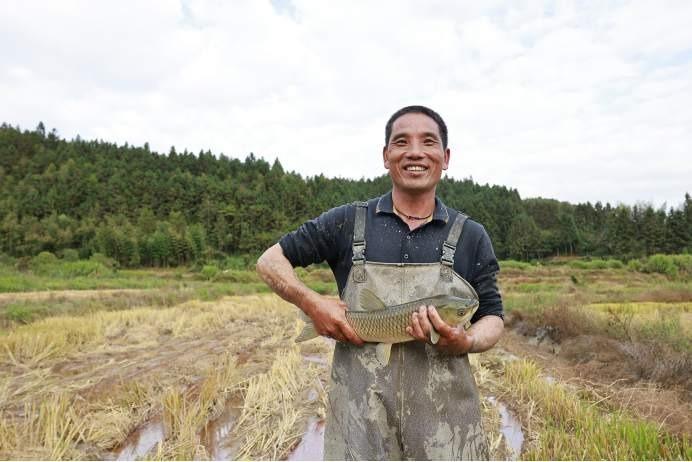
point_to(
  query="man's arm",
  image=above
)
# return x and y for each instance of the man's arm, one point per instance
(326, 313)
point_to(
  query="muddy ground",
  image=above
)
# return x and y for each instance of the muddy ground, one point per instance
(602, 367)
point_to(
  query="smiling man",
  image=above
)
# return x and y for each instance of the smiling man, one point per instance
(403, 246)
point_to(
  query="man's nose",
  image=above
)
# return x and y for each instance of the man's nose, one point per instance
(416, 149)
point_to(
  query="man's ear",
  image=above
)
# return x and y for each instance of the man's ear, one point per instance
(385, 157)
(446, 162)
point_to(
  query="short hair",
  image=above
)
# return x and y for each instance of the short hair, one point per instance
(442, 127)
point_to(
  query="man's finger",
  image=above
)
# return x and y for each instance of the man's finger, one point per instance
(417, 332)
(350, 334)
(336, 336)
(424, 321)
(444, 329)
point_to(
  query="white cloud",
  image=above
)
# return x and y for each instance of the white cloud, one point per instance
(572, 101)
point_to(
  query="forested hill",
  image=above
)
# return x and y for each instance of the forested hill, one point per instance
(145, 208)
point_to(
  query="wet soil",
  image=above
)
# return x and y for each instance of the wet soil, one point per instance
(141, 441)
(311, 447)
(602, 366)
(598, 364)
(510, 427)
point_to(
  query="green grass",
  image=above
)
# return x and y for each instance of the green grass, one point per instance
(570, 427)
(596, 263)
(535, 287)
(514, 264)
(12, 280)
(530, 302)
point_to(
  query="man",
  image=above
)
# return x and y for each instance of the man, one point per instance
(403, 246)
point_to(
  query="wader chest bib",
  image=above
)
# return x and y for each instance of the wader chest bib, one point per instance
(423, 404)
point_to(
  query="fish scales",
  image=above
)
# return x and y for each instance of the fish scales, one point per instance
(383, 325)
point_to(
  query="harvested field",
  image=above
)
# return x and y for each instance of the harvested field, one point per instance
(594, 364)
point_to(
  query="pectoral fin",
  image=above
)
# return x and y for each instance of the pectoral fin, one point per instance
(434, 336)
(383, 350)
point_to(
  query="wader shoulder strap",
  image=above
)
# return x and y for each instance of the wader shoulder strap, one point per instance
(359, 233)
(450, 245)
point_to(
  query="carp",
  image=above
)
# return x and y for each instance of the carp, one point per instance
(375, 322)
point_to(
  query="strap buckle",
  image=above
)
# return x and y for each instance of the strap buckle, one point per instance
(448, 254)
(358, 252)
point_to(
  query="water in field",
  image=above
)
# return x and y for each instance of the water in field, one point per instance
(216, 435)
(311, 447)
(510, 427)
(141, 441)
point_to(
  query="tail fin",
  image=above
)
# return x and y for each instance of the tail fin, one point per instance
(308, 331)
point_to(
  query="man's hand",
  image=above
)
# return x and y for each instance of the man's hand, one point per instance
(453, 340)
(329, 317)
(327, 314)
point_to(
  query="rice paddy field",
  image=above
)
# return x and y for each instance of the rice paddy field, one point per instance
(179, 364)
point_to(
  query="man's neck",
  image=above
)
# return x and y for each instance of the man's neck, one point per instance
(420, 204)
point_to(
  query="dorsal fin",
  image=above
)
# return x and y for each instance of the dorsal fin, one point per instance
(370, 302)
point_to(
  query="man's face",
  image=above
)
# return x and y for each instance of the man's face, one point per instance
(414, 156)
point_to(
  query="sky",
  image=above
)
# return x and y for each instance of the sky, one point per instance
(577, 101)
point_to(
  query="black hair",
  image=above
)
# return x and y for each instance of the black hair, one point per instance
(417, 110)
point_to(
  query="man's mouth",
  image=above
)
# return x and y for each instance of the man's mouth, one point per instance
(415, 168)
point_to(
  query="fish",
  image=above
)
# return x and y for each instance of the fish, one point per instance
(385, 325)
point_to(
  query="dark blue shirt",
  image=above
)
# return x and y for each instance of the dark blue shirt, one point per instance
(388, 239)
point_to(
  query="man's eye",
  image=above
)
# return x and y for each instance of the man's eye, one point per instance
(400, 142)
(429, 142)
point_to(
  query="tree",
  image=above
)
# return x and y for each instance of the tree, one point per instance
(523, 237)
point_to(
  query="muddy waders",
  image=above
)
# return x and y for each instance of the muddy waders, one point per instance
(424, 404)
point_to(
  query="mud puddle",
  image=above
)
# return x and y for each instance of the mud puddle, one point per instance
(311, 447)
(510, 427)
(141, 441)
(216, 435)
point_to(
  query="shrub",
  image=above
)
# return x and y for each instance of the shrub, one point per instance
(209, 272)
(663, 264)
(635, 265)
(6, 260)
(19, 314)
(615, 264)
(104, 260)
(69, 254)
(683, 263)
(44, 258)
(235, 262)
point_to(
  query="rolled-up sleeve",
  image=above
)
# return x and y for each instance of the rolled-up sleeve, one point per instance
(484, 280)
(316, 240)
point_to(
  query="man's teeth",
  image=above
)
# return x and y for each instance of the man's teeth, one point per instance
(415, 168)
